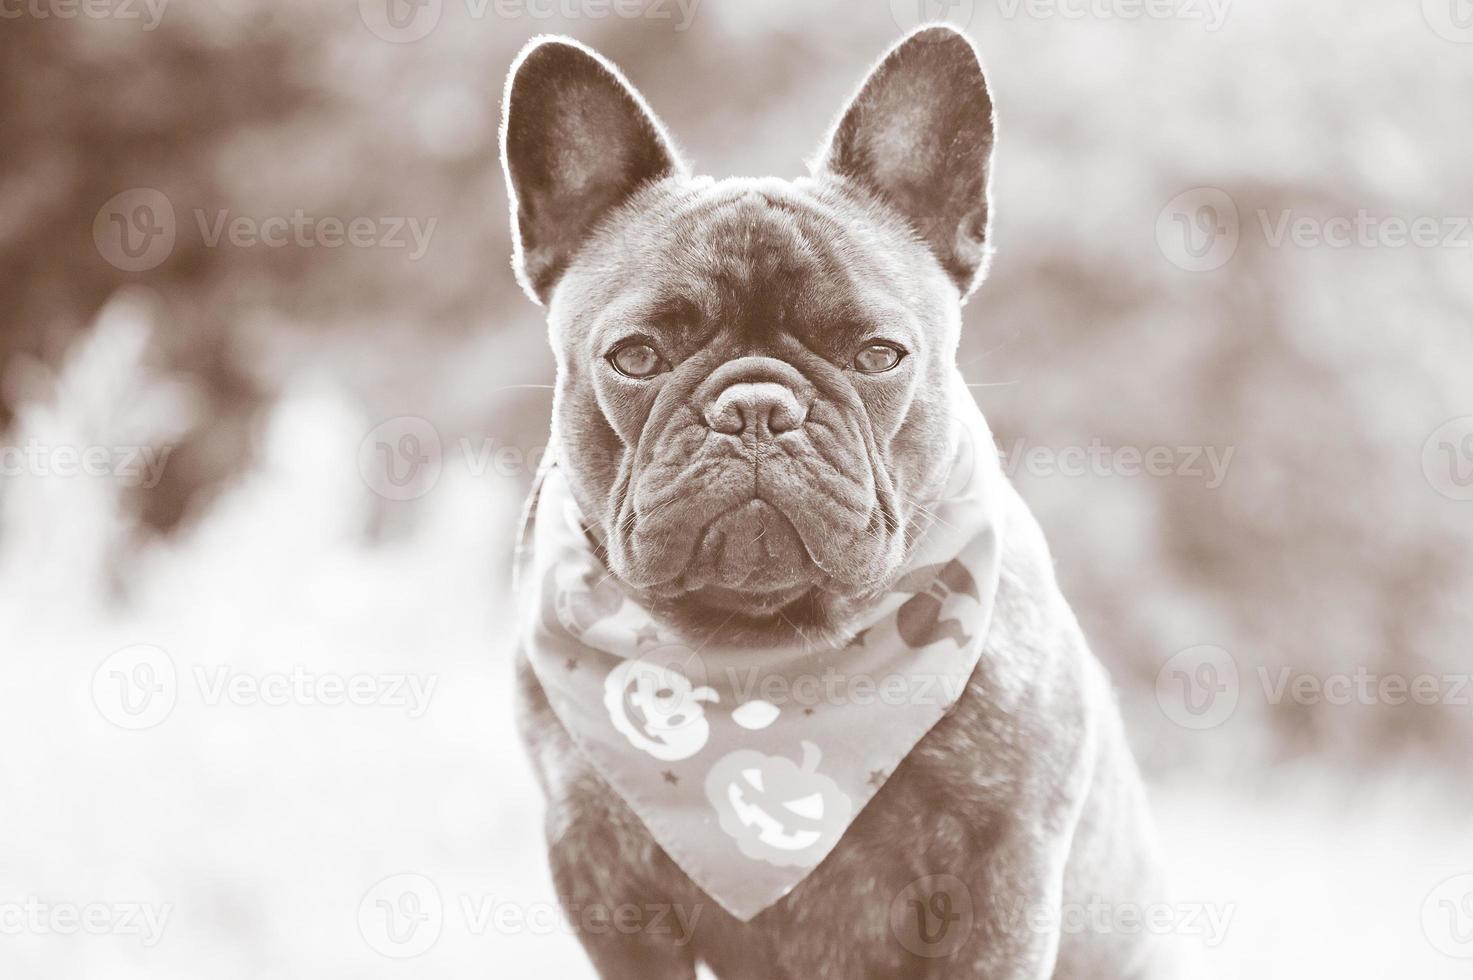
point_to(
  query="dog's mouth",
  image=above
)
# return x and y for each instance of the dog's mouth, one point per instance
(750, 560)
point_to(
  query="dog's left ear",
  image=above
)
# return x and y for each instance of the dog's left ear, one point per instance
(576, 142)
(919, 136)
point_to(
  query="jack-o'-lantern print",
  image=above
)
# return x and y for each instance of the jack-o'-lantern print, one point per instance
(920, 620)
(658, 709)
(778, 811)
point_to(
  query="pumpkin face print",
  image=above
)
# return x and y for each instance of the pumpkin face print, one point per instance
(785, 813)
(919, 620)
(658, 709)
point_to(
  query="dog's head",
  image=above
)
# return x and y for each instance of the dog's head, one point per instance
(754, 375)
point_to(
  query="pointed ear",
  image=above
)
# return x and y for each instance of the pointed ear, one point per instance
(576, 141)
(919, 136)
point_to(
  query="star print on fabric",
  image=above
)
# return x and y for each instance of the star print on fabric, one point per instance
(877, 777)
(808, 711)
(671, 778)
(571, 664)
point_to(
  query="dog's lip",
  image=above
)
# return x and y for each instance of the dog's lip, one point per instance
(748, 601)
(683, 583)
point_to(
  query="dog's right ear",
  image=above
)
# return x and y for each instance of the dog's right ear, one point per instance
(576, 141)
(919, 136)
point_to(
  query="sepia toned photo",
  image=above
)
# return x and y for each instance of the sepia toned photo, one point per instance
(736, 489)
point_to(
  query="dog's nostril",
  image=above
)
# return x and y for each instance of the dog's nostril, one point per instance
(726, 417)
(762, 408)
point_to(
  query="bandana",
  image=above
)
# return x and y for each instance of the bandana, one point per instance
(747, 765)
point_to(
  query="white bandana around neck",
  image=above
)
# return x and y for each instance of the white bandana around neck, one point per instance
(748, 764)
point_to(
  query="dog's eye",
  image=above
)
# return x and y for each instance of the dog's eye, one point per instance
(878, 358)
(637, 360)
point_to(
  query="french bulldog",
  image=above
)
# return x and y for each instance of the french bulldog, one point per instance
(752, 404)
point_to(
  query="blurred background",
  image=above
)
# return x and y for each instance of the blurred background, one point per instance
(270, 399)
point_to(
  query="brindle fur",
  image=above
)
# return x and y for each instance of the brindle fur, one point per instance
(1026, 791)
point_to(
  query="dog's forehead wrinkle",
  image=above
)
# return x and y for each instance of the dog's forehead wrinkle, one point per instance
(771, 262)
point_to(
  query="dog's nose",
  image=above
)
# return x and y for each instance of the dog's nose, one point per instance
(758, 409)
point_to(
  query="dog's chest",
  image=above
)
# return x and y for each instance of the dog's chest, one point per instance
(935, 815)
